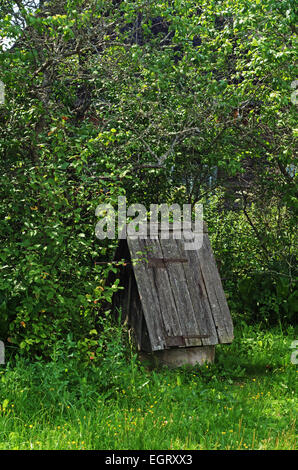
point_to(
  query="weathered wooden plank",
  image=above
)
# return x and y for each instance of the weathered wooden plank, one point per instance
(215, 292)
(185, 226)
(205, 323)
(148, 297)
(208, 293)
(181, 294)
(163, 289)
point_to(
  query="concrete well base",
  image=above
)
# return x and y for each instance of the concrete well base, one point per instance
(177, 357)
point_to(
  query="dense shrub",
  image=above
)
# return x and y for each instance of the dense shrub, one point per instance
(256, 258)
(101, 102)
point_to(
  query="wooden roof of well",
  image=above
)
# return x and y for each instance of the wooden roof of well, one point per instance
(180, 291)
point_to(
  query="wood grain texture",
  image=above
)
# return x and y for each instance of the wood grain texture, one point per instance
(218, 303)
(181, 293)
(148, 297)
(181, 302)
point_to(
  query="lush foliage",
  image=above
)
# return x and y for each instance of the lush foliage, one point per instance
(151, 100)
(246, 400)
(260, 285)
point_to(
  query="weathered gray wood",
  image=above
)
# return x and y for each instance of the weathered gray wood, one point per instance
(195, 266)
(148, 297)
(163, 289)
(215, 292)
(204, 319)
(181, 294)
(212, 291)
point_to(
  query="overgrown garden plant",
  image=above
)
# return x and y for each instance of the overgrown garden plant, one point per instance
(161, 101)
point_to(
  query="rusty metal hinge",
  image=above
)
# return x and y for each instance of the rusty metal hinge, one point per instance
(180, 340)
(163, 262)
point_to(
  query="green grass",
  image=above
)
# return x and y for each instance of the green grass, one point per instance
(246, 400)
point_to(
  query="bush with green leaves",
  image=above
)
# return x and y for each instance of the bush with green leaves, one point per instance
(256, 254)
(145, 99)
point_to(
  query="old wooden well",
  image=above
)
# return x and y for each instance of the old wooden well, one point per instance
(173, 298)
